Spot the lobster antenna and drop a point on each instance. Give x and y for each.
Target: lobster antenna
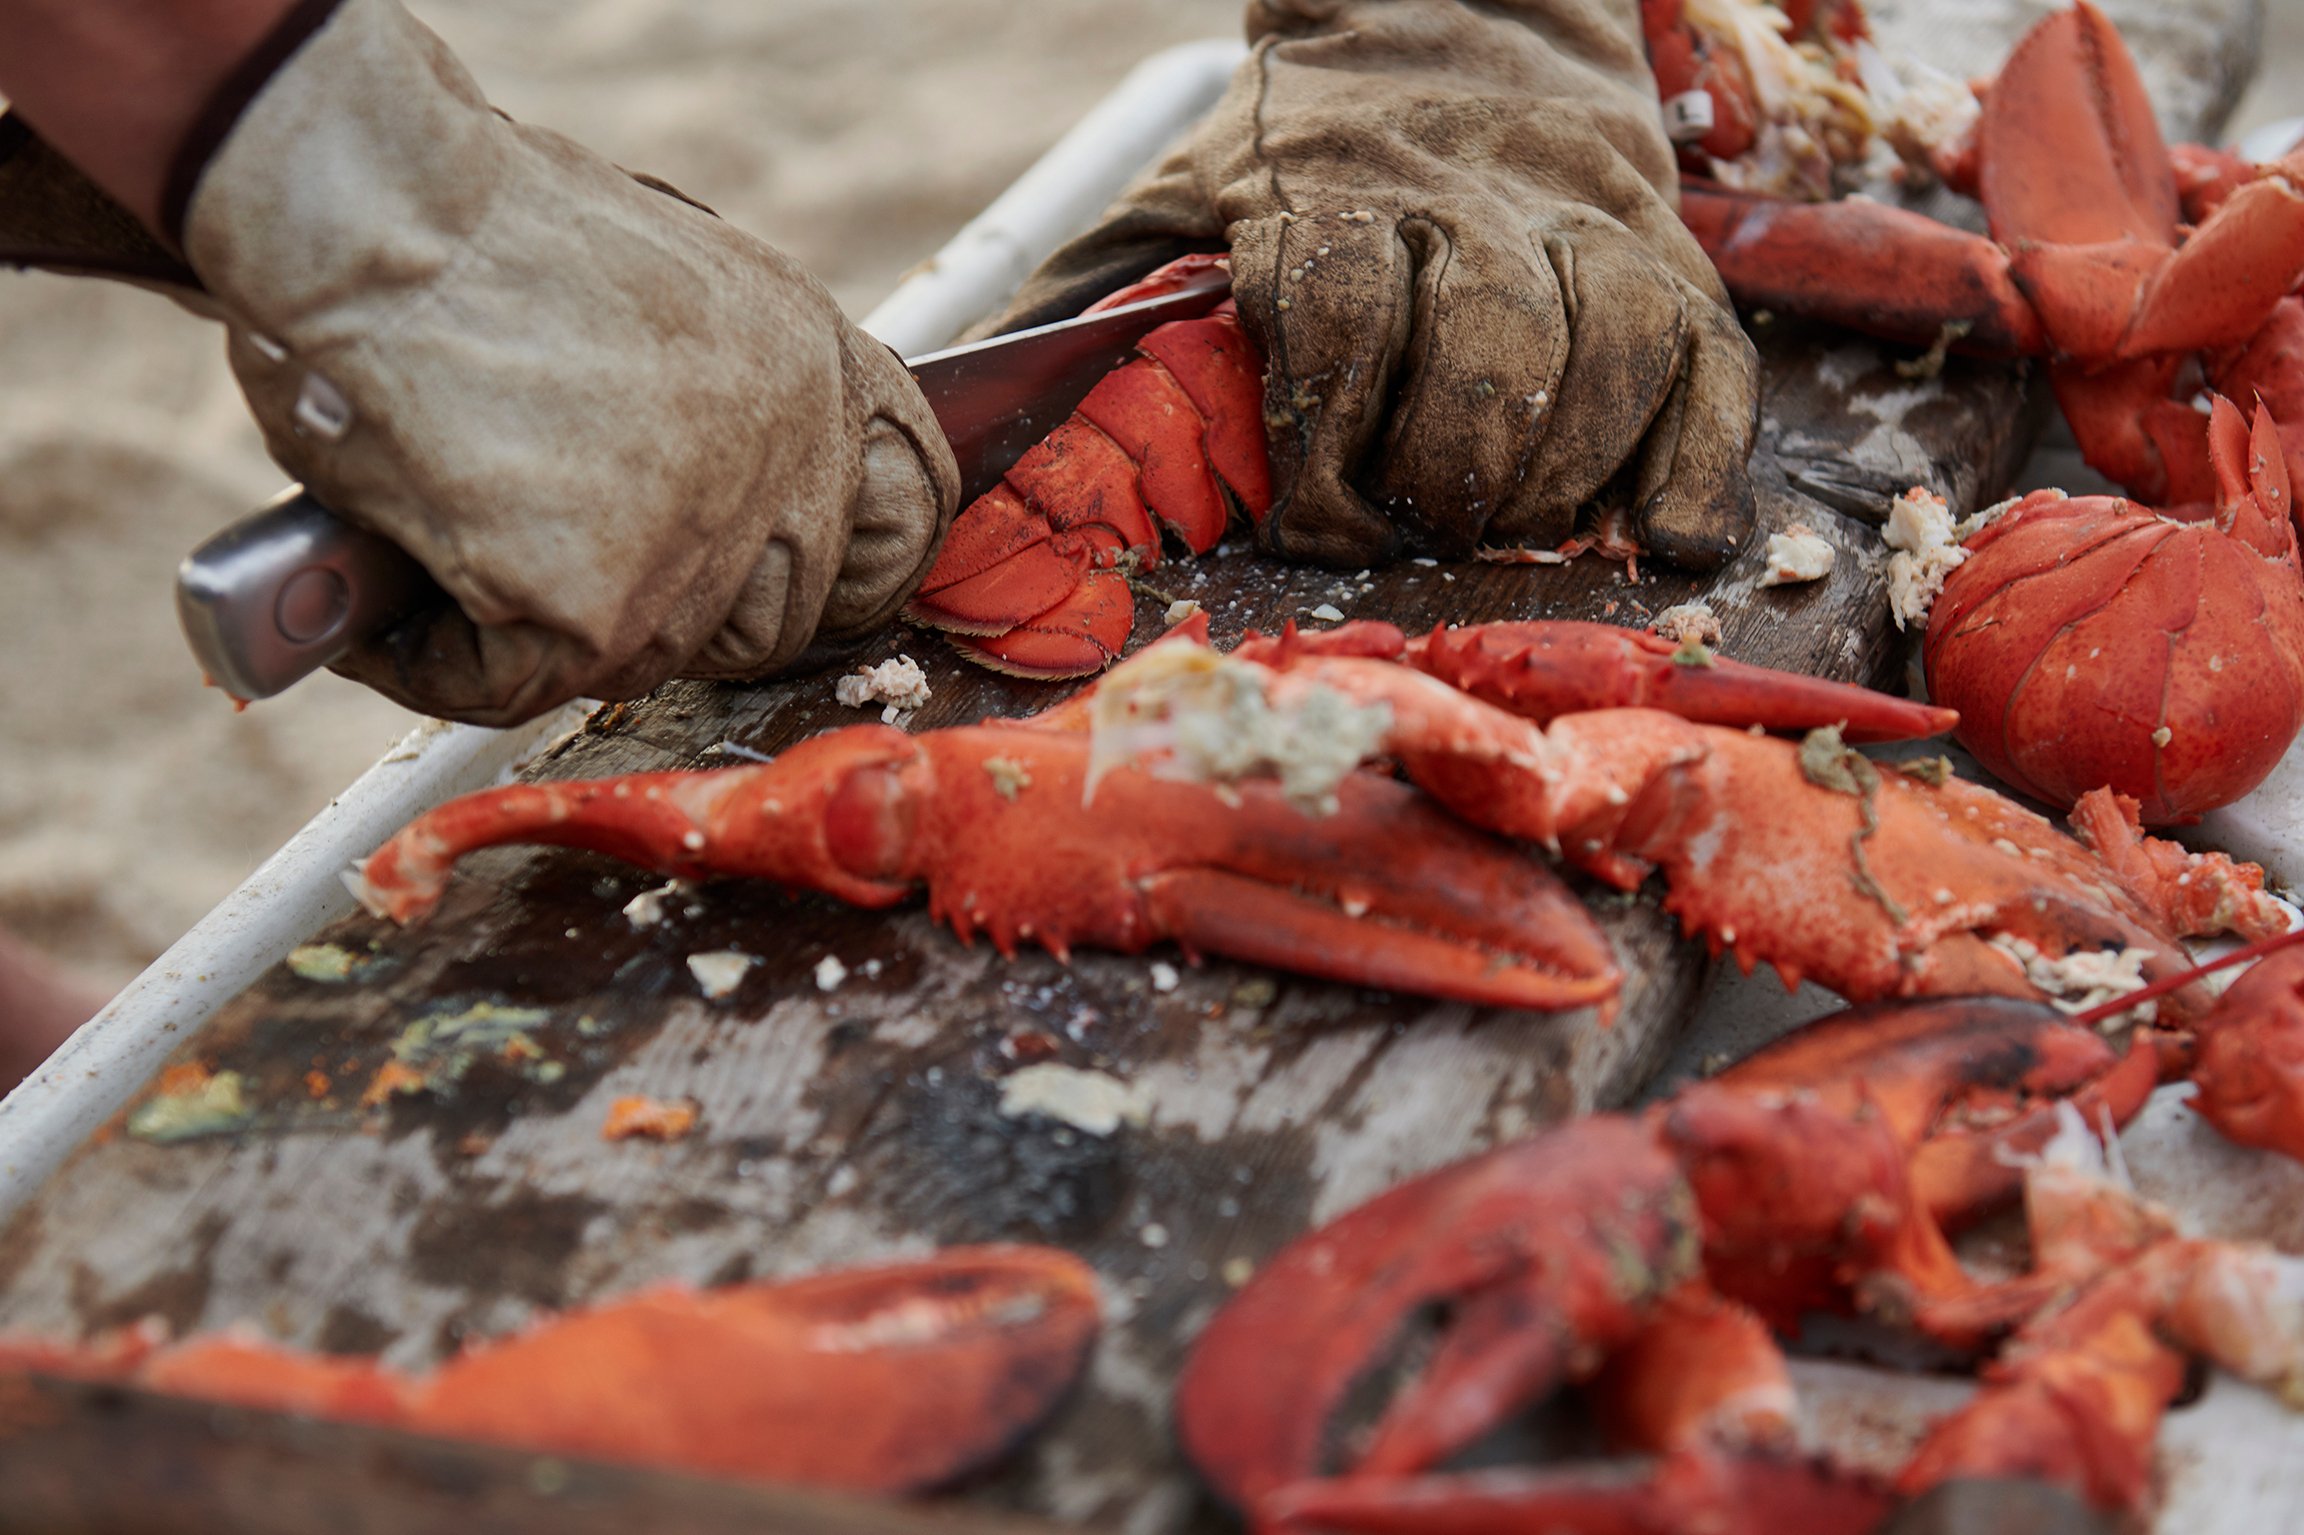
(2184, 978)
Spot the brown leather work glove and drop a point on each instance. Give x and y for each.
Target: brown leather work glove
(1453, 232)
(631, 442)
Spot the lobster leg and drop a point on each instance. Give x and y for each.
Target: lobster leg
(1865, 266)
(1543, 670)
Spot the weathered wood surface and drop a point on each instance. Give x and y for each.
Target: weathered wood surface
(77, 1459)
(850, 1124)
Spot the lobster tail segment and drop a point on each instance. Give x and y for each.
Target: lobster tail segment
(1033, 577)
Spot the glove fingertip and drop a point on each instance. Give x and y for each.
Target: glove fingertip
(1703, 531)
(1696, 507)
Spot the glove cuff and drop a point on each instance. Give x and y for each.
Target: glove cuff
(223, 111)
(53, 217)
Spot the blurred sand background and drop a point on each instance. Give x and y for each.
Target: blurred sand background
(857, 134)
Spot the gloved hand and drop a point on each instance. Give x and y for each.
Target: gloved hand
(1453, 233)
(630, 441)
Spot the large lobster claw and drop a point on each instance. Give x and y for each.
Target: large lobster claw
(1549, 1251)
(2090, 262)
(2080, 187)
(1874, 883)
(875, 1380)
(996, 823)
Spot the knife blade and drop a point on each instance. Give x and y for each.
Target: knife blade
(291, 587)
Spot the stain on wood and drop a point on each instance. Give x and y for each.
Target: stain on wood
(864, 1122)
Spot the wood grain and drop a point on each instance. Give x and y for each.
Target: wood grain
(864, 1121)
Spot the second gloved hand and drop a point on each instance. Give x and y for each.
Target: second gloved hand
(1453, 232)
(631, 442)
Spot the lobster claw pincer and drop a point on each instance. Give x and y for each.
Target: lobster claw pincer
(1548, 1251)
(996, 824)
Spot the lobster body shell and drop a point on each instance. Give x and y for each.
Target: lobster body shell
(2088, 642)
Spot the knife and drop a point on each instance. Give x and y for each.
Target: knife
(288, 589)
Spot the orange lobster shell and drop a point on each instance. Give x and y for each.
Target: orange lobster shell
(2089, 641)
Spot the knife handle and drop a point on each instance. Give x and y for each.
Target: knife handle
(283, 592)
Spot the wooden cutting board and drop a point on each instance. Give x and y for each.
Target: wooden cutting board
(853, 1123)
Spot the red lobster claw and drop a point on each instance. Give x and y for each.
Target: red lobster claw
(1874, 883)
(2089, 263)
(995, 823)
(1546, 1251)
(875, 1380)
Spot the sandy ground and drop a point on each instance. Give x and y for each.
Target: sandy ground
(855, 133)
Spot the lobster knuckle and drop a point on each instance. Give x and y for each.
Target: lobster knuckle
(2250, 1069)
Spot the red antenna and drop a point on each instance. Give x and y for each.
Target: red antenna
(2184, 978)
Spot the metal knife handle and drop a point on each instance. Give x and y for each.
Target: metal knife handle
(283, 592)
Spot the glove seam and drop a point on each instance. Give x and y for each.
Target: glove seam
(225, 107)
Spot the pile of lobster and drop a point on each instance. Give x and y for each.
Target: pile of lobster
(2157, 284)
(1387, 812)
(1227, 801)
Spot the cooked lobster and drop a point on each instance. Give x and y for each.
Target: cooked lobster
(885, 1379)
